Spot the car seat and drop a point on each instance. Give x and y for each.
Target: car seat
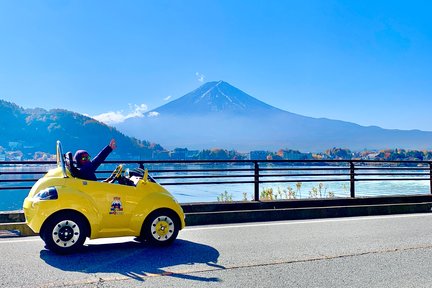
(70, 164)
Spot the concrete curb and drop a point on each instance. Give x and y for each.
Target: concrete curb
(226, 217)
(12, 216)
(21, 228)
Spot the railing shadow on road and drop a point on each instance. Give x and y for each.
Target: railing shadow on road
(137, 260)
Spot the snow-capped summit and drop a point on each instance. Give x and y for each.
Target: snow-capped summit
(215, 97)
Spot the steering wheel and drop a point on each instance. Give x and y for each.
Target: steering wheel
(116, 174)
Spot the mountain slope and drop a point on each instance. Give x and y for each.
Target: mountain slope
(38, 129)
(220, 115)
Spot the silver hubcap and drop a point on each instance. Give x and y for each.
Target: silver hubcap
(162, 228)
(66, 233)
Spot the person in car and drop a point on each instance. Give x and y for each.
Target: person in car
(87, 167)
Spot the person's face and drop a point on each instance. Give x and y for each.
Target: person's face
(85, 158)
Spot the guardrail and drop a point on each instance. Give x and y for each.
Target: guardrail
(256, 172)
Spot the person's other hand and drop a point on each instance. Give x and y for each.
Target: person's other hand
(113, 144)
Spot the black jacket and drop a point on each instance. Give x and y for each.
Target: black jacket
(88, 170)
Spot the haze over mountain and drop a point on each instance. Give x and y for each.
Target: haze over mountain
(220, 115)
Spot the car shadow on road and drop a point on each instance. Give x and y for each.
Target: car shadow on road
(137, 260)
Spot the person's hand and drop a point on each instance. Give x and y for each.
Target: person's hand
(113, 144)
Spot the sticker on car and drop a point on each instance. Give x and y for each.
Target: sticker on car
(116, 207)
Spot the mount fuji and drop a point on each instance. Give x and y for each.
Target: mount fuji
(220, 115)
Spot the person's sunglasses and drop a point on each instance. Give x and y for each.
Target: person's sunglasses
(85, 158)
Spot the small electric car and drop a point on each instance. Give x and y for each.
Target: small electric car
(65, 210)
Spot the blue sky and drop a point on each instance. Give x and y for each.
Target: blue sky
(367, 62)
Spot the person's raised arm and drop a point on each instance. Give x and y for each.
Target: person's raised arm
(97, 161)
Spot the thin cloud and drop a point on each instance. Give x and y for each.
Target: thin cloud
(137, 110)
(200, 77)
(167, 98)
(114, 117)
(110, 117)
(153, 114)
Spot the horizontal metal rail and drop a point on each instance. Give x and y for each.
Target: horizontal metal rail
(306, 168)
(390, 174)
(208, 183)
(392, 179)
(257, 172)
(304, 180)
(392, 168)
(199, 170)
(304, 174)
(201, 176)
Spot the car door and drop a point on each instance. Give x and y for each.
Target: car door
(115, 204)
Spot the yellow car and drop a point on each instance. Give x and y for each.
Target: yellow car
(65, 210)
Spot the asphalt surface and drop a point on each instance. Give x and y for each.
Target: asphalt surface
(386, 251)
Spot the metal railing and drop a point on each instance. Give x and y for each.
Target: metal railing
(21, 175)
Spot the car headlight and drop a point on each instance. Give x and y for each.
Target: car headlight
(49, 193)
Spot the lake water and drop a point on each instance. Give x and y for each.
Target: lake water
(299, 189)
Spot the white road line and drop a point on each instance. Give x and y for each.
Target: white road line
(20, 240)
(302, 222)
(248, 225)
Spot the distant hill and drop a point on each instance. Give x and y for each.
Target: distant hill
(220, 115)
(37, 129)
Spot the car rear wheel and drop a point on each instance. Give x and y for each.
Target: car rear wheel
(64, 232)
(161, 227)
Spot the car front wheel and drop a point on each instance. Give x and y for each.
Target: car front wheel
(64, 232)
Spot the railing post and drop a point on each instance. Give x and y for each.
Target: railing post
(256, 181)
(352, 180)
(430, 177)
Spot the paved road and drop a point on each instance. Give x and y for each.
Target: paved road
(388, 251)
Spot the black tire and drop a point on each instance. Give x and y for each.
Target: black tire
(64, 232)
(161, 227)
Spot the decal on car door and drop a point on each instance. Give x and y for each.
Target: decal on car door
(116, 207)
